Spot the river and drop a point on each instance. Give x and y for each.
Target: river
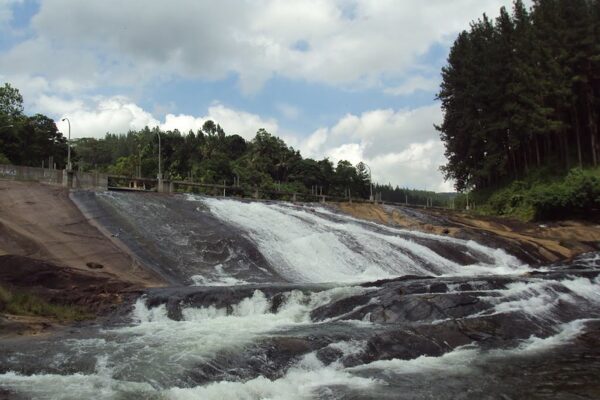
(281, 301)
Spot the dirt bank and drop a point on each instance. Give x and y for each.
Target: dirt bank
(50, 250)
(534, 243)
(90, 293)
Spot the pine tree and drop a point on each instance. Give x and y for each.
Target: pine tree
(523, 90)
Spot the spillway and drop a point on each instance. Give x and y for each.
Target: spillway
(280, 301)
(208, 241)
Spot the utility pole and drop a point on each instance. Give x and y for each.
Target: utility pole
(68, 145)
(159, 157)
(370, 183)
(139, 174)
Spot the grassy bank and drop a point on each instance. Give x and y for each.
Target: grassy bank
(544, 194)
(23, 303)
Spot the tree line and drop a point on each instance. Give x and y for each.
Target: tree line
(522, 91)
(208, 155)
(212, 156)
(28, 140)
(415, 196)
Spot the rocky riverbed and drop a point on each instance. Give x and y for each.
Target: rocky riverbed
(282, 301)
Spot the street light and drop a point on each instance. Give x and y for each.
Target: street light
(370, 182)
(68, 145)
(159, 155)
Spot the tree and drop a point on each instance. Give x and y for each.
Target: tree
(11, 102)
(522, 91)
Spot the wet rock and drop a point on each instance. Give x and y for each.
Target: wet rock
(222, 297)
(339, 308)
(403, 278)
(408, 344)
(270, 359)
(329, 355)
(438, 287)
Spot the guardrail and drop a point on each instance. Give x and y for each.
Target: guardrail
(98, 181)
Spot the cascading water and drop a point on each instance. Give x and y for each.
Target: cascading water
(312, 244)
(207, 241)
(275, 307)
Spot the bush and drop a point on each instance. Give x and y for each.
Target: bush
(537, 197)
(576, 195)
(20, 303)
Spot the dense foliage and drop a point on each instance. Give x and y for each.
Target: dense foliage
(414, 196)
(214, 157)
(27, 140)
(523, 92)
(544, 195)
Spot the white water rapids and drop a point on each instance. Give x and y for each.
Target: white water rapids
(135, 361)
(155, 355)
(312, 244)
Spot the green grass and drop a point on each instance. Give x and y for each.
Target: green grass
(544, 195)
(22, 303)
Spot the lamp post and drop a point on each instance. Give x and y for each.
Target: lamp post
(370, 183)
(159, 156)
(68, 144)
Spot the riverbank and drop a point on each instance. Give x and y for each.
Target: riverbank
(40, 221)
(49, 250)
(38, 296)
(268, 299)
(535, 243)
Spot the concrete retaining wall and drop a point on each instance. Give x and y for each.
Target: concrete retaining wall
(89, 180)
(75, 180)
(21, 173)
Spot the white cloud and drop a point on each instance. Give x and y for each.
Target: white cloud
(6, 14)
(119, 115)
(232, 121)
(58, 106)
(414, 84)
(288, 111)
(402, 147)
(240, 122)
(115, 115)
(123, 43)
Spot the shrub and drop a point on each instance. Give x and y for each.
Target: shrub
(575, 195)
(22, 303)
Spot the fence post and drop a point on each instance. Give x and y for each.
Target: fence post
(67, 179)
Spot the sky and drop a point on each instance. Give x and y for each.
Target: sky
(344, 79)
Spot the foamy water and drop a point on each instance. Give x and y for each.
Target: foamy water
(305, 380)
(315, 245)
(157, 357)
